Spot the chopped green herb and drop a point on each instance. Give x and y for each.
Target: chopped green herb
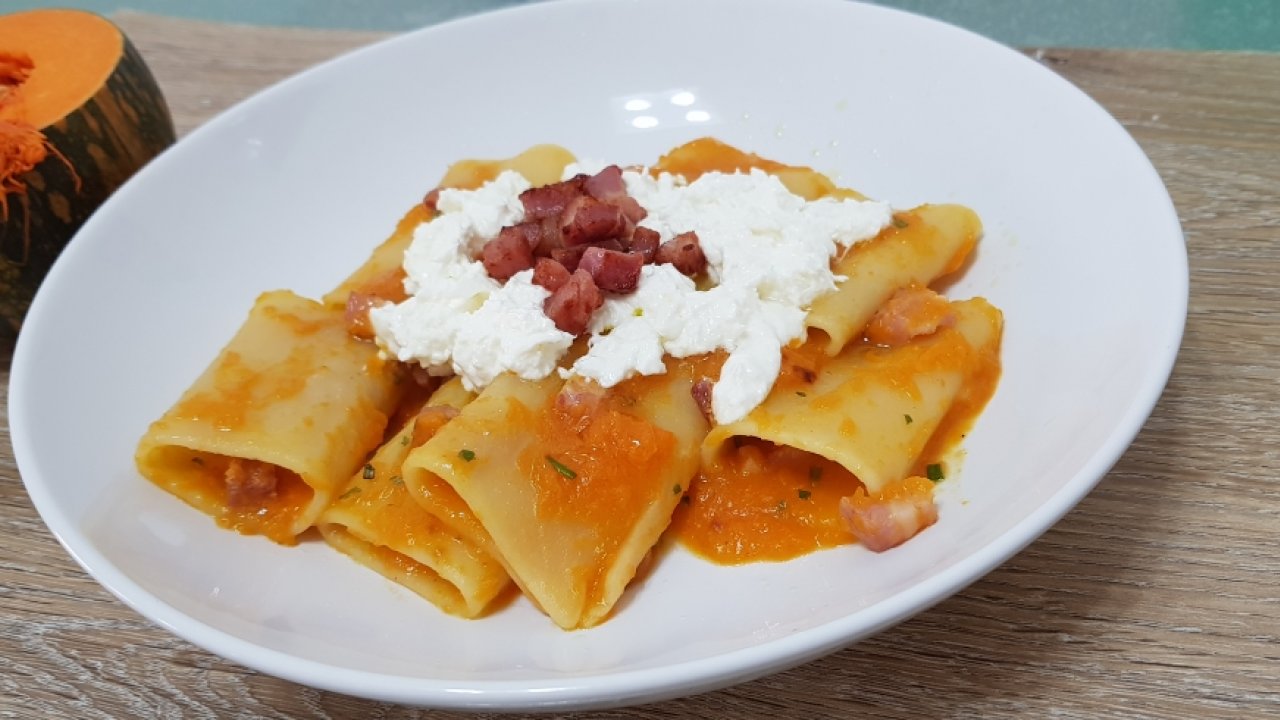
(815, 474)
(397, 480)
(368, 472)
(349, 493)
(685, 500)
(607, 329)
(934, 472)
(908, 419)
(804, 494)
(802, 393)
(561, 468)
(198, 460)
(899, 222)
(467, 455)
(638, 312)
(404, 441)
(676, 489)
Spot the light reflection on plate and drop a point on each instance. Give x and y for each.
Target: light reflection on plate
(292, 189)
(678, 108)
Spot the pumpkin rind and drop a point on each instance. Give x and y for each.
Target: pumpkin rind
(104, 142)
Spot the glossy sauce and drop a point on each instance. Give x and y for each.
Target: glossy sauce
(594, 468)
(763, 502)
(238, 388)
(273, 516)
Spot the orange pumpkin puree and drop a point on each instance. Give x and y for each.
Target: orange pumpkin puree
(273, 516)
(239, 386)
(764, 502)
(594, 467)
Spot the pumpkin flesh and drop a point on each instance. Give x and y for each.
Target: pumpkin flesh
(79, 114)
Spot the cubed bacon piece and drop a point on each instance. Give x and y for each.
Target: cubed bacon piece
(894, 515)
(423, 378)
(429, 421)
(684, 252)
(908, 313)
(571, 306)
(378, 290)
(549, 274)
(531, 230)
(550, 200)
(701, 392)
(550, 238)
(249, 482)
(569, 257)
(507, 254)
(631, 209)
(606, 185)
(579, 402)
(429, 201)
(586, 220)
(612, 271)
(645, 241)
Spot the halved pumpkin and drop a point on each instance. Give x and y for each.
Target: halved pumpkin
(79, 114)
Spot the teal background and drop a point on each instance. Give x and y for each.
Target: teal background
(1173, 24)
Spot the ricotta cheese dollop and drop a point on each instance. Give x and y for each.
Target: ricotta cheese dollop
(768, 256)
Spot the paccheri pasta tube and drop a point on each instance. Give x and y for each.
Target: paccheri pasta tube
(264, 440)
(722, 348)
(377, 522)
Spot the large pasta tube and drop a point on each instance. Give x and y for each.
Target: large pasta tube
(574, 484)
(922, 245)
(378, 523)
(540, 165)
(438, 497)
(266, 437)
(873, 409)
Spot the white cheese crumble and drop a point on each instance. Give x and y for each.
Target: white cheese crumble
(458, 319)
(768, 252)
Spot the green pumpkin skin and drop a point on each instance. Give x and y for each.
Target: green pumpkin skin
(104, 142)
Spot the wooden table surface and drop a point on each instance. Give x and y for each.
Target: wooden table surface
(1157, 597)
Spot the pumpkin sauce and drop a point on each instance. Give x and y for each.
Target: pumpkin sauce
(764, 502)
(592, 465)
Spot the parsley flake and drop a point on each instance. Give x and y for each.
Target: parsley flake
(815, 474)
(467, 455)
(676, 489)
(404, 441)
(638, 312)
(934, 472)
(899, 222)
(908, 419)
(561, 468)
(802, 393)
(349, 493)
(397, 480)
(197, 460)
(368, 473)
(804, 494)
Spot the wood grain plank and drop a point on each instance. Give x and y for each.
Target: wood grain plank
(1157, 597)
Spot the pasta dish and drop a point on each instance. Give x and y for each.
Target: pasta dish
(552, 367)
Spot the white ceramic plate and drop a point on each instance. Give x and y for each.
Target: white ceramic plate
(291, 189)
